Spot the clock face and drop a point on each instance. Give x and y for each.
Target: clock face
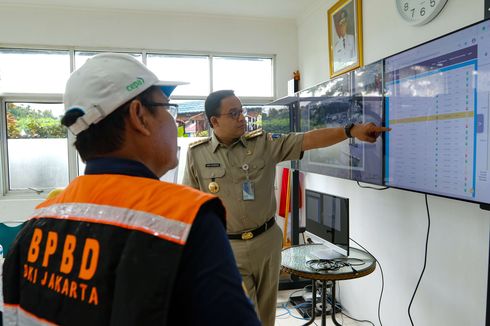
(419, 12)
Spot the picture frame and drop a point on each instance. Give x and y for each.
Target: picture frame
(345, 36)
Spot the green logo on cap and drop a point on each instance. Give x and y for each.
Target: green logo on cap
(134, 85)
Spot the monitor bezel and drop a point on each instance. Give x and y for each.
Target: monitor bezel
(384, 115)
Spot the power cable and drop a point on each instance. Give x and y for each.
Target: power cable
(382, 280)
(425, 258)
(369, 187)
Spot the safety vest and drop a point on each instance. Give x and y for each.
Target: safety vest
(105, 251)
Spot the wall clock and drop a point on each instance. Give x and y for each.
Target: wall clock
(419, 12)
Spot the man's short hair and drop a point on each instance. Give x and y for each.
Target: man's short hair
(107, 135)
(213, 103)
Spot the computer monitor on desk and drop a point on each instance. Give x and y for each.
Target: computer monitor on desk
(327, 217)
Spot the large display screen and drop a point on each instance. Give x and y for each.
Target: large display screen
(437, 104)
(350, 159)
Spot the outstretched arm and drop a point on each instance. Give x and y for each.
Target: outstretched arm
(329, 136)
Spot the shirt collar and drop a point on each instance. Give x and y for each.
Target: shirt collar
(215, 143)
(113, 165)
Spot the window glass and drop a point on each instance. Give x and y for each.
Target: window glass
(191, 69)
(37, 146)
(246, 76)
(253, 117)
(82, 56)
(33, 71)
(191, 119)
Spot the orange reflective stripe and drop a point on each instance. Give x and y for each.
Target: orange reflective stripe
(141, 194)
(156, 225)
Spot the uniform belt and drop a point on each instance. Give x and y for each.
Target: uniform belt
(253, 233)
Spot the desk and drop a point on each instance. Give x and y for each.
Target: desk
(294, 261)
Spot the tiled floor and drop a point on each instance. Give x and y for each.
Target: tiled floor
(291, 317)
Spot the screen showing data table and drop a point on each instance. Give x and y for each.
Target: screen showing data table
(437, 104)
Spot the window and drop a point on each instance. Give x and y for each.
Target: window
(37, 147)
(191, 69)
(191, 119)
(246, 76)
(82, 56)
(33, 71)
(36, 152)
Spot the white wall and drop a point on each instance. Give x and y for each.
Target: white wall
(392, 223)
(31, 26)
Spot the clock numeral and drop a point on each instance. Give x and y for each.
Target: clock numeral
(422, 11)
(413, 12)
(405, 6)
(432, 3)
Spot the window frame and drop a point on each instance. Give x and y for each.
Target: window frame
(29, 98)
(73, 157)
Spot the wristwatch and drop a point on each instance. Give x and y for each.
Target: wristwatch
(347, 129)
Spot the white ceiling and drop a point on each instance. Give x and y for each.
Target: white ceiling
(249, 8)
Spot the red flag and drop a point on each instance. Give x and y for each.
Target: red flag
(284, 193)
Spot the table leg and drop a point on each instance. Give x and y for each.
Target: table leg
(324, 303)
(313, 304)
(333, 305)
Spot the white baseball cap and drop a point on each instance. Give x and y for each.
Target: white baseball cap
(104, 83)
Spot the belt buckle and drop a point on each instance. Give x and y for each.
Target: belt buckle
(247, 235)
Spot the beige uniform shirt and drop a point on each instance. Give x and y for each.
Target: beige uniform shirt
(210, 161)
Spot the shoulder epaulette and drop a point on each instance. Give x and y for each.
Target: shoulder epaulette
(254, 133)
(199, 142)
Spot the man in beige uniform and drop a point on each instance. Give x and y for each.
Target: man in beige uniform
(240, 169)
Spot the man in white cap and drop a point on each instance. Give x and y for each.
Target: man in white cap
(118, 246)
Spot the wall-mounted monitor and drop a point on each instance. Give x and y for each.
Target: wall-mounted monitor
(350, 159)
(276, 119)
(339, 86)
(327, 217)
(437, 104)
(368, 80)
(278, 116)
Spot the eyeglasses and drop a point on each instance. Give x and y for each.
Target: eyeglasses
(172, 108)
(234, 114)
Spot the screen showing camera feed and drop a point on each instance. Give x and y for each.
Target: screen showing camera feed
(350, 159)
(275, 119)
(368, 80)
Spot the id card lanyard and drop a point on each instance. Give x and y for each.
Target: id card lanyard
(247, 186)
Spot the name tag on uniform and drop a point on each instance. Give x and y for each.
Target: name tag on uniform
(213, 165)
(248, 190)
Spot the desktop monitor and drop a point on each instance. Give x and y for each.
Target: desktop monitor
(437, 104)
(327, 217)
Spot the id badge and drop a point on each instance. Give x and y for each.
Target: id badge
(248, 190)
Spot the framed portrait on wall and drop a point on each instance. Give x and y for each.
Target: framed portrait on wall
(344, 36)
